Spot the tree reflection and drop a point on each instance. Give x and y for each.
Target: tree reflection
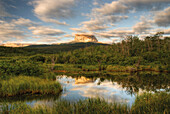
(135, 82)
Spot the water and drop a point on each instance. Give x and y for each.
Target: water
(113, 87)
(83, 87)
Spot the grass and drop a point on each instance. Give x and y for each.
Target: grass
(152, 103)
(145, 104)
(110, 68)
(28, 85)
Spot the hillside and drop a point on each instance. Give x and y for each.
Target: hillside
(43, 49)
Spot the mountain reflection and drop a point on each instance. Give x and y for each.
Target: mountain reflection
(113, 87)
(131, 83)
(83, 80)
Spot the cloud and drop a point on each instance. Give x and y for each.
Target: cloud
(142, 27)
(50, 20)
(166, 31)
(162, 18)
(94, 25)
(119, 32)
(42, 30)
(115, 18)
(48, 40)
(77, 29)
(102, 23)
(24, 22)
(145, 25)
(53, 10)
(113, 8)
(127, 6)
(20, 29)
(145, 4)
(9, 31)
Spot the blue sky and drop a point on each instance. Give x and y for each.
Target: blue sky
(57, 21)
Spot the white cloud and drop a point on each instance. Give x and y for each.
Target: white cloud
(53, 10)
(118, 33)
(115, 18)
(112, 8)
(94, 25)
(142, 27)
(102, 23)
(48, 40)
(42, 30)
(9, 31)
(162, 18)
(21, 29)
(77, 29)
(23, 22)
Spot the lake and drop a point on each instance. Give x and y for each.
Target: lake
(113, 87)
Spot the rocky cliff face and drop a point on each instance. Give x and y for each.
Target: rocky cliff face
(85, 38)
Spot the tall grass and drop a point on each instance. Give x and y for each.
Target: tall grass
(152, 103)
(28, 85)
(157, 103)
(89, 106)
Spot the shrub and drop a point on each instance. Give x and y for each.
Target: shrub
(38, 58)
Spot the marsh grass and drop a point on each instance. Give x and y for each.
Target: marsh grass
(109, 68)
(152, 103)
(89, 106)
(156, 104)
(28, 85)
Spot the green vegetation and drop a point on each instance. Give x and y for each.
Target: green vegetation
(42, 49)
(132, 54)
(147, 103)
(33, 69)
(152, 52)
(19, 67)
(111, 68)
(28, 85)
(152, 103)
(20, 76)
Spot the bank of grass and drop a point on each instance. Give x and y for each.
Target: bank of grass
(110, 68)
(156, 104)
(21, 85)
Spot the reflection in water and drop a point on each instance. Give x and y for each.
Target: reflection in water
(83, 87)
(83, 80)
(121, 88)
(114, 88)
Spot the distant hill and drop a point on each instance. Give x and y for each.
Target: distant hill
(74, 44)
(43, 49)
(52, 49)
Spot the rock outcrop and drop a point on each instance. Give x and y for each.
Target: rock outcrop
(85, 38)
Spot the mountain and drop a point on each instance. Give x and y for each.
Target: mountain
(85, 38)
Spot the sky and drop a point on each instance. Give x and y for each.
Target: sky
(57, 21)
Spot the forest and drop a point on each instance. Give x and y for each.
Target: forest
(152, 52)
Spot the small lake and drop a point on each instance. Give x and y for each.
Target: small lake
(113, 87)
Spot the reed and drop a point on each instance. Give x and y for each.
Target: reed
(145, 104)
(21, 85)
(152, 103)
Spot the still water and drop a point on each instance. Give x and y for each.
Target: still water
(117, 87)
(83, 87)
